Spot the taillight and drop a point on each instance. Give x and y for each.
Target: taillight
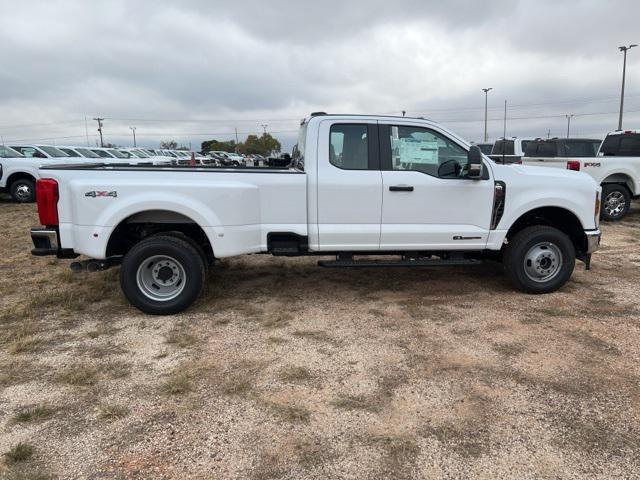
(573, 165)
(47, 200)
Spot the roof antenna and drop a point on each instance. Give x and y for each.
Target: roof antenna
(404, 113)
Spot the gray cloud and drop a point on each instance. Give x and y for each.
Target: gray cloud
(209, 67)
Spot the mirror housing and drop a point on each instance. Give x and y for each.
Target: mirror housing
(474, 163)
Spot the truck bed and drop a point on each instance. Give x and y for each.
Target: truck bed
(235, 206)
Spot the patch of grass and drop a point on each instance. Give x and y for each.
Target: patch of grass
(178, 383)
(509, 349)
(295, 374)
(116, 369)
(270, 465)
(290, 413)
(594, 343)
(20, 452)
(468, 439)
(79, 375)
(554, 312)
(23, 473)
(277, 340)
(312, 452)
(400, 455)
(17, 372)
(27, 344)
(38, 413)
(356, 402)
(237, 386)
(112, 411)
(316, 335)
(181, 338)
(276, 320)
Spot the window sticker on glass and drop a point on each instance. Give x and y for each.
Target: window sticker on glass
(412, 150)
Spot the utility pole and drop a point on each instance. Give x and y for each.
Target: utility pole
(264, 127)
(404, 112)
(236, 130)
(99, 120)
(623, 49)
(486, 92)
(86, 130)
(504, 130)
(548, 134)
(133, 129)
(569, 123)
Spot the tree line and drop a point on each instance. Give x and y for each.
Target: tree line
(262, 145)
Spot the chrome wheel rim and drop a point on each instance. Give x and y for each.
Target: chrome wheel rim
(614, 204)
(23, 192)
(543, 262)
(161, 278)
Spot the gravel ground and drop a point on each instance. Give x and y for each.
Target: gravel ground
(286, 370)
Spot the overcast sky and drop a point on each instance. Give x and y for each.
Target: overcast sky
(194, 70)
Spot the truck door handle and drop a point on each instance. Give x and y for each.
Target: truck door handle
(401, 188)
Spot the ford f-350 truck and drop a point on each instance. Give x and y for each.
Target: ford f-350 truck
(405, 191)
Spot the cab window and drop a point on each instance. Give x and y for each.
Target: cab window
(348, 146)
(423, 150)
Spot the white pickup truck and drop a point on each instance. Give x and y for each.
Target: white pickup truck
(615, 166)
(407, 189)
(19, 168)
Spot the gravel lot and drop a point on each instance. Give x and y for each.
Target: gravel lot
(286, 370)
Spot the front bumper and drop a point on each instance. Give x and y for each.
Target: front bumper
(593, 241)
(46, 241)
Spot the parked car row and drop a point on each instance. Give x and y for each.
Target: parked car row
(20, 162)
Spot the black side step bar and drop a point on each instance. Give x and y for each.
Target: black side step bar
(341, 261)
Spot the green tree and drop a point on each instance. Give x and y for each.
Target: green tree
(169, 145)
(218, 146)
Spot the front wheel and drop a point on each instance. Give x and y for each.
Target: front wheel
(23, 191)
(616, 201)
(539, 259)
(162, 275)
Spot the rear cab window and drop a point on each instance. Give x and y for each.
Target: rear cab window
(621, 145)
(503, 147)
(348, 146)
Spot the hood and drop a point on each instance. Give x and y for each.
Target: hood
(550, 173)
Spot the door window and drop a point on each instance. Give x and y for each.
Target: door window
(423, 150)
(348, 146)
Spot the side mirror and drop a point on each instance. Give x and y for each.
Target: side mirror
(474, 163)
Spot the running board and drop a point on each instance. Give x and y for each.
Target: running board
(423, 262)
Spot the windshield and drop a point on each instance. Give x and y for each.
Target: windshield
(52, 151)
(69, 152)
(6, 152)
(141, 153)
(85, 152)
(102, 153)
(116, 153)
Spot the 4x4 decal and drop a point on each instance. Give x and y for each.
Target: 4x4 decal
(101, 193)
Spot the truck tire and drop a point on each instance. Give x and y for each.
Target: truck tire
(23, 190)
(616, 201)
(162, 275)
(539, 259)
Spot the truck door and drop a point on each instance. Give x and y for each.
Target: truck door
(428, 204)
(349, 186)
